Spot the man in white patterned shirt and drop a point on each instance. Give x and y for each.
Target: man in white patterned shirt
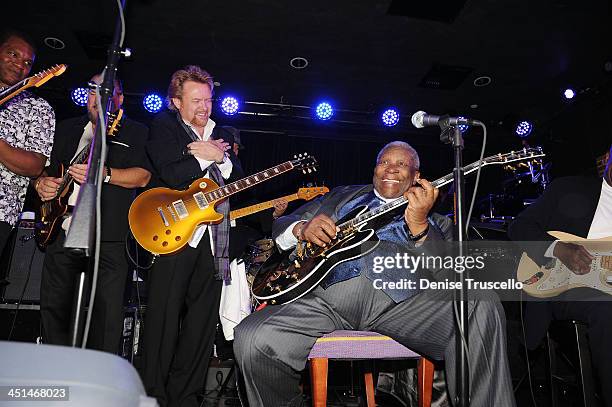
(27, 125)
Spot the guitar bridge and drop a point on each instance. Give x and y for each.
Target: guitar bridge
(163, 216)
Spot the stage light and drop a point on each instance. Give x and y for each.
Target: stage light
(463, 127)
(569, 93)
(230, 105)
(79, 96)
(324, 111)
(390, 117)
(152, 103)
(523, 129)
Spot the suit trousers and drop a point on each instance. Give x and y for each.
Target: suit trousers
(58, 286)
(182, 313)
(272, 345)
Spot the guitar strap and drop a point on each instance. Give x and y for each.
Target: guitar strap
(220, 232)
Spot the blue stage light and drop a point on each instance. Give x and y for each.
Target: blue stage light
(79, 96)
(153, 103)
(569, 93)
(390, 117)
(523, 129)
(324, 111)
(463, 127)
(230, 105)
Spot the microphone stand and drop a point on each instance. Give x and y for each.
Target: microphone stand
(80, 237)
(452, 135)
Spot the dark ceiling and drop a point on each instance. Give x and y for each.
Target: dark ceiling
(363, 55)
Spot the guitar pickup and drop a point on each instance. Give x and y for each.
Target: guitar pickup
(163, 216)
(174, 218)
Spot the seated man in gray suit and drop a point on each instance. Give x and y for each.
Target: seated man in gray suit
(272, 345)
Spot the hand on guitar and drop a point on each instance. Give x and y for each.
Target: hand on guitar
(210, 150)
(420, 201)
(47, 187)
(574, 256)
(320, 230)
(79, 172)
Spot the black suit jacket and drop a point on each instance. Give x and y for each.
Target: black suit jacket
(125, 150)
(567, 205)
(168, 142)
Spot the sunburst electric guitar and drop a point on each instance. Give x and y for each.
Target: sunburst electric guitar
(163, 220)
(35, 80)
(51, 212)
(285, 277)
(303, 193)
(555, 278)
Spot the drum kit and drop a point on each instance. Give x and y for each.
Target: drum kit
(524, 183)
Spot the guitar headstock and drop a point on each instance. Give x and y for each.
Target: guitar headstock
(304, 162)
(43, 76)
(113, 122)
(309, 193)
(530, 153)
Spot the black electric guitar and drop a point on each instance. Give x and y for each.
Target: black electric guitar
(286, 277)
(51, 212)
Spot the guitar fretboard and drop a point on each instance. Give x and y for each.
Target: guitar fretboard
(9, 90)
(244, 183)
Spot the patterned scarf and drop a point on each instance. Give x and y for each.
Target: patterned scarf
(220, 232)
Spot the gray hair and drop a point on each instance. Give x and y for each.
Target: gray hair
(414, 156)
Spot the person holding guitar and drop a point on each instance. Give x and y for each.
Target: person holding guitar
(184, 287)
(581, 206)
(27, 125)
(126, 169)
(272, 345)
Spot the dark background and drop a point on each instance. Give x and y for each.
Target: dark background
(363, 56)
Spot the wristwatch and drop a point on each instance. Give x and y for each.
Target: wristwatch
(108, 175)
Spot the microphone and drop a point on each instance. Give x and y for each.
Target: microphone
(421, 119)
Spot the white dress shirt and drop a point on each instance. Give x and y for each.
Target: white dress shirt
(225, 168)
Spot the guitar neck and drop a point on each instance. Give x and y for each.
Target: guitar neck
(249, 210)
(13, 91)
(247, 182)
(447, 179)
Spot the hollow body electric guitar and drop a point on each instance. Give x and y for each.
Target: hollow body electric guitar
(51, 212)
(286, 277)
(35, 80)
(302, 193)
(163, 220)
(555, 278)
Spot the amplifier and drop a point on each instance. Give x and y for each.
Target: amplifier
(25, 267)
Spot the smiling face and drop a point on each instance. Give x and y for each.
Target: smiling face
(195, 103)
(394, 173)
(16, 59)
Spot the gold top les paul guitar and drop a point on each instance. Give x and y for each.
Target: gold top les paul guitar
(555, 278)
(302, 193)
(163, 220)
(36, 80)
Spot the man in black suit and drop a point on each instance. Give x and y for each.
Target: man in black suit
(272, 345)
(184, 287)
(581, 206)
(126, 169)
